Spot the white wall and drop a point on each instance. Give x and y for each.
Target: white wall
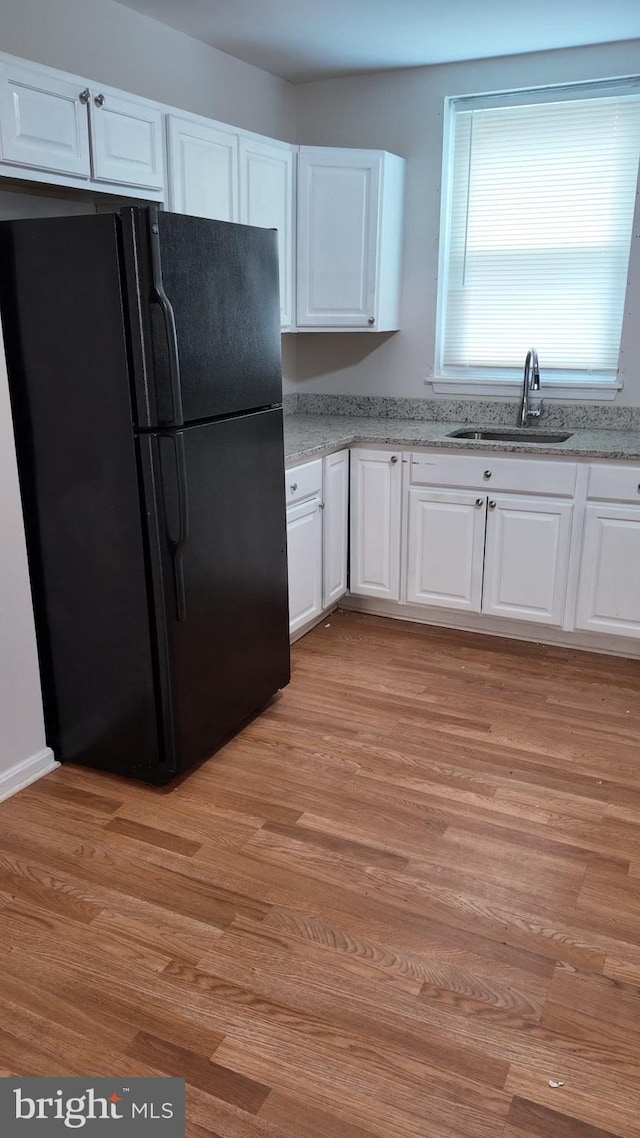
(102, 40)
(402, 111)
(23, 753)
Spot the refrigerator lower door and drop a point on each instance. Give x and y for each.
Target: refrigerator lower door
(219, 520)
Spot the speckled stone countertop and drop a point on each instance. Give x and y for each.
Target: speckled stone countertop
(307, 435)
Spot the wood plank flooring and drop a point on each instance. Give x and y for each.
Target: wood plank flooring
(398, 905)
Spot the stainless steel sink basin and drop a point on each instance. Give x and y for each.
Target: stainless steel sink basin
(513, 435)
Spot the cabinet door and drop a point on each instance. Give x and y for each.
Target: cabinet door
(376, 483)
(44, 122)
(445, 548)
(335, 525)
(338, 195)
(304, 554)
(126, 141)
(266, 199)
(203, 169)
(609, 582)
(527, 558)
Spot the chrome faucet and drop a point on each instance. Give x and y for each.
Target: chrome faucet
(530, 382)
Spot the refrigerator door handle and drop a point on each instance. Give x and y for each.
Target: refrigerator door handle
(177, 544)
(162, 300)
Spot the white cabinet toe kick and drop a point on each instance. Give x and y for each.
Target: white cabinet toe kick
(532, 548)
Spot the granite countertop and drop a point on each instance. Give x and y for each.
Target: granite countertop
(306, 435)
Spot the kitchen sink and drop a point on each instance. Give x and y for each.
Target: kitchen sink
(513, 435)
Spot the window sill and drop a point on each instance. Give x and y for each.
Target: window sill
(597, 391)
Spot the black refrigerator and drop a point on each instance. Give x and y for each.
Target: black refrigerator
(143, 351)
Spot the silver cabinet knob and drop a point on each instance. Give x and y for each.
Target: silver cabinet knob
(371, 320)
(487, 474)
(492, 505)
(321, 505)
(479, 502)
(393, 459)
(638, 487)
(84, 96)
(293, 487)
(99, 100)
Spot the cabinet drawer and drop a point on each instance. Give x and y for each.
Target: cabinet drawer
(493, 472)
(614, 483)
(303, 481)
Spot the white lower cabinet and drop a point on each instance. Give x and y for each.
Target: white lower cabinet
(304, 557)
(445, 548)
(526, 560)
(504, 556)
(317, 536)
(517, 554)
(609, 582)
(335, 535)
(462, 548)
(376, 500)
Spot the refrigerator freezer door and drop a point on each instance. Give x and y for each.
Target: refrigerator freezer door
(204, 303)
(218, 519)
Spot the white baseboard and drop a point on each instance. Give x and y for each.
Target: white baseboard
(495, 626)
(26, 772)
(316, 620)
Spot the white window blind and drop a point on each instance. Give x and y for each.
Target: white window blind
(540, 210)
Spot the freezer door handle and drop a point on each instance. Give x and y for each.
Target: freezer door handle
(162, 300)
(178, 542)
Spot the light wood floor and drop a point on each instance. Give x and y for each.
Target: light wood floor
(406, 898)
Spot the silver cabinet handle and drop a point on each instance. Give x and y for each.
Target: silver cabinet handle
(638, 487)
(393, 459)
(321, 505)
(487, 474)
(84, 96)
(99, 100)
(293, 487)
(492, 505)
(371, 320)
(479, 502)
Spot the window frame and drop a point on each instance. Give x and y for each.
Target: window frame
(485, 380)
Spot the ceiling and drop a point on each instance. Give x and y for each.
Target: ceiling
(304, 40)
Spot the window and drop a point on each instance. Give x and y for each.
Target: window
(540, 190)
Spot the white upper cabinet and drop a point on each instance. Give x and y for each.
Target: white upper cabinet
(266, 200)
(527, 558)
(43, 121)
(445, 548)
(203, 169)
(376, 489)
(65, 130)
(350, 206)
(217, 172)
(338, 212)
(127, 141)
